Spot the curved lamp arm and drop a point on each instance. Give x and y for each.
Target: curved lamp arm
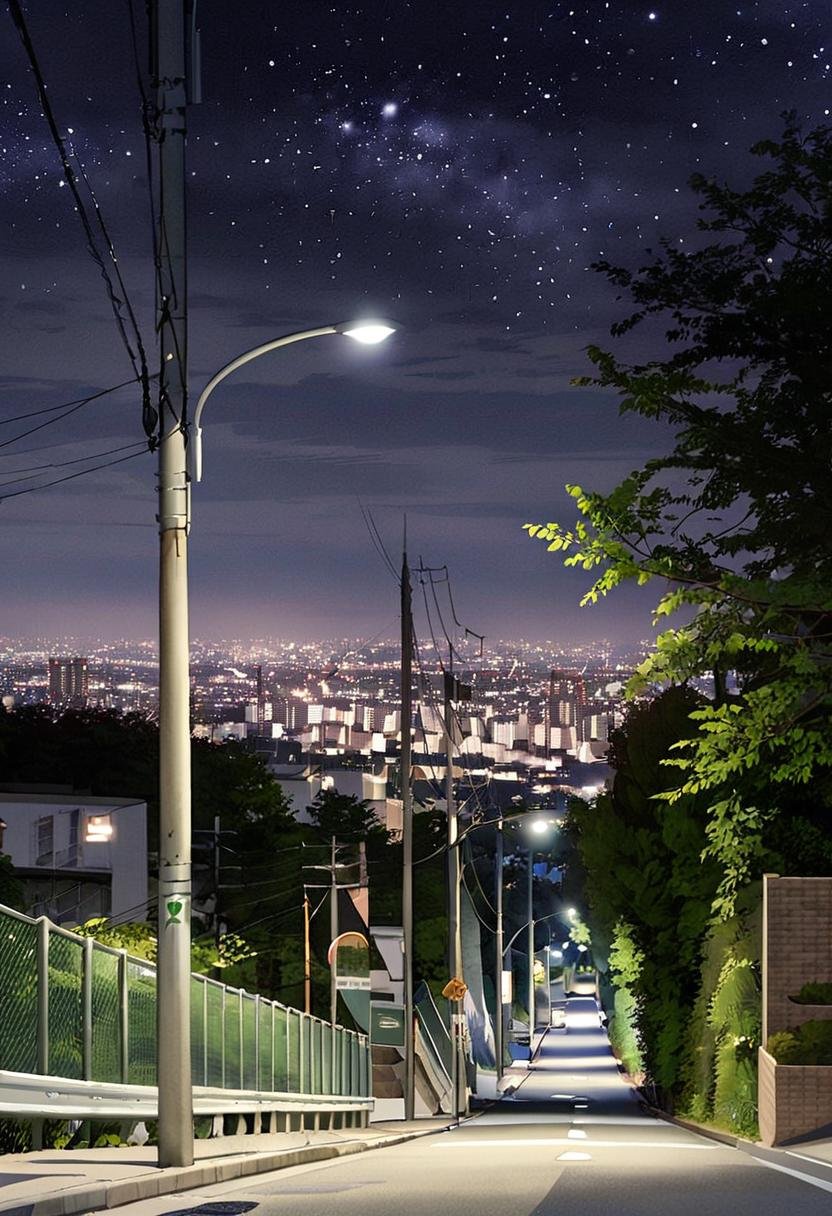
(196, 449)
(369, 333)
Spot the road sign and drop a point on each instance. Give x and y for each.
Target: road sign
(455, 989)
(386, 1024)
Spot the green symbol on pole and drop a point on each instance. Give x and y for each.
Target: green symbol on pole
(174, 907)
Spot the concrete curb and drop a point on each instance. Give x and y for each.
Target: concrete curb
(786, 1157)
(91, 1196)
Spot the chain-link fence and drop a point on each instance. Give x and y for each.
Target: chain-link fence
(70, 1007)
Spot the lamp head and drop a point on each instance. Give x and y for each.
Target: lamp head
(368, 333)
(539, 826)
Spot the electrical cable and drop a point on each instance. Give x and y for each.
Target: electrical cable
(65, 404)
(377, 545)
(61, 464)
(71, 476)
(138, 358)
(72, 408)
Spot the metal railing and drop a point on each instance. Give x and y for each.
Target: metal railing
(75, 1009)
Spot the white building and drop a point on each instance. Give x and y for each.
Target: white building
(78, 856)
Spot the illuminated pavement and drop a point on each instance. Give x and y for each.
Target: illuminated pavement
(571, 1141)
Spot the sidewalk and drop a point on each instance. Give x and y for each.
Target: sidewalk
(57, 1182)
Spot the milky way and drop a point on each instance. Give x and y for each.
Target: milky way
(458, 167)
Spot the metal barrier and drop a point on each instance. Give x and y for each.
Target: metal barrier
(78, 1030)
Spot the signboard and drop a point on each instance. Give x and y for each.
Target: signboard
(387, 1024)
(507, 988)
(349, 959)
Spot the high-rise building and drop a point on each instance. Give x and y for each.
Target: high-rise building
(69, 682)
(567, 702)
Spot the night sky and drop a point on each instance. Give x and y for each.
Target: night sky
(456, 167)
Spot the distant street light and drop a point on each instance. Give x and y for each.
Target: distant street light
(178, 466)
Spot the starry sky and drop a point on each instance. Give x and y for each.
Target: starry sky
(454, 167)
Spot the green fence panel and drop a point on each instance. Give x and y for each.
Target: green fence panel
(317, 1057)
(141, 1019)
(106, 1016)
(18, 995)
(281, 1038)
(214, 1031)
(295, 1046)
(232, 1039)
(327, 1049)
(238, 1041)
(265, 1078)
(197, 1031)
(306, 1055)
(249, 1041)
(66, 964)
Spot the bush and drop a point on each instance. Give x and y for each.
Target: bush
(813, 994)
(810, 1043)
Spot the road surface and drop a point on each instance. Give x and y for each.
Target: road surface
(572, 1140)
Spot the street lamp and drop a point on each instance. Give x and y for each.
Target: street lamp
(179, 464)
(368, 333)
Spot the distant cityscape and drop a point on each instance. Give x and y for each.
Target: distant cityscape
(517, 702)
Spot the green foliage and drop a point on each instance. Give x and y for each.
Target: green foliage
(648, 892)
(810, 1043)
(813, 994)
(735, 522)
(344, 816)
(719, 1073)
(11, 888)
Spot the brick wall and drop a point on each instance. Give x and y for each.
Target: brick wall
(797, 948)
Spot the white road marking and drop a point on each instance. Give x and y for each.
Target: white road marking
(574, 1157)
(820, 1183)
(558, 1141)
(576, 1135)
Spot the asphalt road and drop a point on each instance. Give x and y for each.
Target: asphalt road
(572, 1141)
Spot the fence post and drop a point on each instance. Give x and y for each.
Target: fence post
(43, 995)
(86, 1009)
(288, 1022)
(204, 1032)
(302, 1054)
(124, 1018)
(257, 1084)
(241, 1078)
(272, 1085)
(222, 1038)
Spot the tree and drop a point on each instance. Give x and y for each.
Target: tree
(345, 817)
(737, 519)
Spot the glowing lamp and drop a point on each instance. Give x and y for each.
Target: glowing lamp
(98, 829)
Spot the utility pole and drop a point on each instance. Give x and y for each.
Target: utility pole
(407, 838)
(454, 890)
(498, 945)
(307, 957)
(530, 945)
(176, 1131)
(333, 927)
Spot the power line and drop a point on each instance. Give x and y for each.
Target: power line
(71, 476)
(65, 404)
(34, 470)
(137, 357)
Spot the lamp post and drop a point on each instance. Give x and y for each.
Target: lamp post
(178, 466)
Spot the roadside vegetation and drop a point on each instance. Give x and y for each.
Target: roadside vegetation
(724, 764)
